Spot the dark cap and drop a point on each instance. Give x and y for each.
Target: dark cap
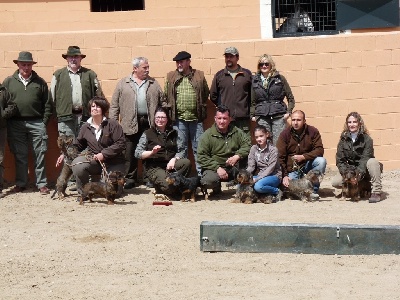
(24, 56)
(73, 51)
(181, 56)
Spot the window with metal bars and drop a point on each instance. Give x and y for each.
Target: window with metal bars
(303, 17)
(116, 5)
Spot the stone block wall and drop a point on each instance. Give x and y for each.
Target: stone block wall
(330, 75)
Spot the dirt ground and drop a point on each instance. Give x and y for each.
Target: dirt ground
(51, 249)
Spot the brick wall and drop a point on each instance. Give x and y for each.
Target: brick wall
(329, 75)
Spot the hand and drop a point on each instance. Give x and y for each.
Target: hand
(222, 173)
(286, 116)
(98, 156)
(285, 181)
(155, 149)
(231, 161)
(171, 164)
(60, 159)
(298, 158)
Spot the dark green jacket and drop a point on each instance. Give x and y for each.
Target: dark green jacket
(214, 148)
(7, 106)
(63, 92)
(33, 101)
(354, 154)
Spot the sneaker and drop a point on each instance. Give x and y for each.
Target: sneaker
(18, 189)
(73, 187)
(44, 190)
(277, 197)
(314, 197)
(375, 197)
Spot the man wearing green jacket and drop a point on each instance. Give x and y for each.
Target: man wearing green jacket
(222, 151)
(28, 127)
(71, 89)
(8, 109)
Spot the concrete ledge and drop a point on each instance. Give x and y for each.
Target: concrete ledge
(343, 239)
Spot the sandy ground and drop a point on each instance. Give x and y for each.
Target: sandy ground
(51, 249)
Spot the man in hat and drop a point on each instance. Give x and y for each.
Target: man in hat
(28, 127)
(71, 89)
(134, 102)
(187, 91)
(231, 86)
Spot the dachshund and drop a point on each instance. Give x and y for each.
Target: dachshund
(353, 185)
(187, 186)
(244, 190)
(108, 189)
(70, 151)
(304, 186)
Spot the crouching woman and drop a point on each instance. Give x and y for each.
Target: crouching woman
(355, 148)
(162, 150)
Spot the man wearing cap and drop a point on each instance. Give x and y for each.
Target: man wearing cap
(28, 127)
(134, 102)
(231, 86)
(71, 89)
(187, 91)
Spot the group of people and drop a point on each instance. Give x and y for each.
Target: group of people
(145, 122)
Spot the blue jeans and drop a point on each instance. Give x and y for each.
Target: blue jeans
(267, 185)
(319, 163)
(23, 135)
(190, 130)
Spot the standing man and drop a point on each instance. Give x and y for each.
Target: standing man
(28, 127)
(223, 150)
(300, 150)
(71, 88)
(134, 102)
(232, 87)
(187, 91)
(8, 109)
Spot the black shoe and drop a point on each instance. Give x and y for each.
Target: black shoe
(73, 188)
(149, 184)
(216, 191)
(129, 185)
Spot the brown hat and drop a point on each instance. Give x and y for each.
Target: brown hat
(24, 56)
(73, 51)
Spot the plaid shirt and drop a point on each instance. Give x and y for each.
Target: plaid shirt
(186, 100)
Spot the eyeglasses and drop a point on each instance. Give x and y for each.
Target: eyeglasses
(161, 118)
(262, 64)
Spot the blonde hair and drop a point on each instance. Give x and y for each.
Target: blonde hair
(362, 128)
(268, 58)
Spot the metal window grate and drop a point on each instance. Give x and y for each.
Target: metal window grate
(116, 5)
(302, 17)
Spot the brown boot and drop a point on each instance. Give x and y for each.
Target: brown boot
(375, 197)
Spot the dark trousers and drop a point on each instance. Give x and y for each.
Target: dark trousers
(131, 141)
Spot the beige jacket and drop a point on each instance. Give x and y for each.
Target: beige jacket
(124, 104)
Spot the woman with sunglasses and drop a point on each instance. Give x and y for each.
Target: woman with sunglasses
(269, 89)
(162, 149)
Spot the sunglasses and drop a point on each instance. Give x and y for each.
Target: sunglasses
(262, 64)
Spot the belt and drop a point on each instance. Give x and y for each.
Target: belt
(77, 110)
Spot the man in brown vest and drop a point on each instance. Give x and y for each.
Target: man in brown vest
(187, 92)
